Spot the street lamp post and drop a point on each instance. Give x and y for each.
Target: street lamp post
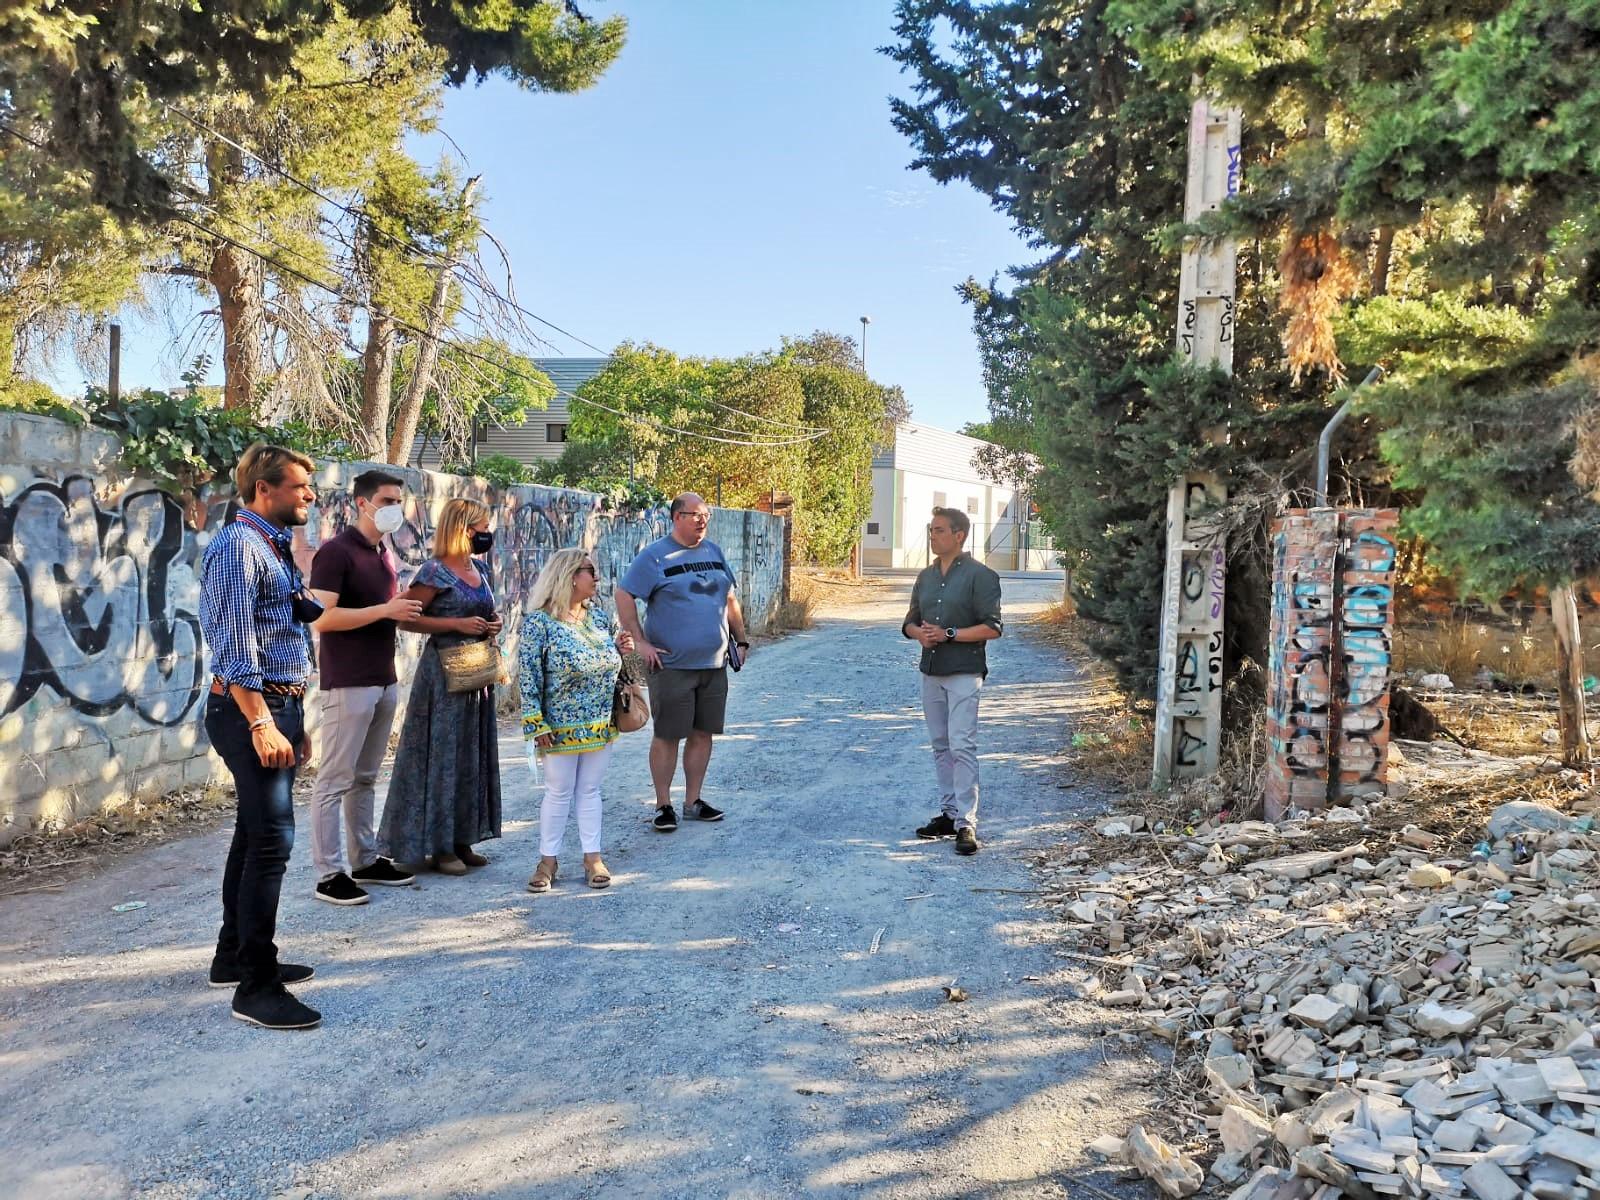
(865, 321)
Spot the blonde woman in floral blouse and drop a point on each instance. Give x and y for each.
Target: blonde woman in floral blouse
(570, 660)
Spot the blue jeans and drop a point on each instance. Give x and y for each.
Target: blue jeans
(263, 836)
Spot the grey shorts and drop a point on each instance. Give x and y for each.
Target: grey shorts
(682, 701)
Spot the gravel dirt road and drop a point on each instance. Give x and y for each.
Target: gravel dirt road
(754, 1009)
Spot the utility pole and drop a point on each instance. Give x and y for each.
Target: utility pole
(114, 382)
(858, 550)
(1189, 691)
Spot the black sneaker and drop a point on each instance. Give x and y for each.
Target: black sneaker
(341, 889)
(274, 1008)
(701, 811)
(383, 873)
(666, 820)
(227, 974)
(940, 827)
(966, 841)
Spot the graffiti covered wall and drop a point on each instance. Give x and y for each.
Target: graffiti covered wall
(1330, 655)
(102, 669)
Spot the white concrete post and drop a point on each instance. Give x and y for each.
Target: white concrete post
(1189, 689)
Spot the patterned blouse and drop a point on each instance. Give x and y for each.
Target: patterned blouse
(569, 672)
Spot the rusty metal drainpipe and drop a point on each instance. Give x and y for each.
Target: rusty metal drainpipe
(1325, 441)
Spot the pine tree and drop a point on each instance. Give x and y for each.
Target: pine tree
(108, 68)
(1048, 109)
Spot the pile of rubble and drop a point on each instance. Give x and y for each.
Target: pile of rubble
(1376, 1017)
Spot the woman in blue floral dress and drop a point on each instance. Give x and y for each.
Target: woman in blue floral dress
(444, 792)
(570, 660)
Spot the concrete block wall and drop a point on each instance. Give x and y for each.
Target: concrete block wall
(102, 667)
(1330, 657)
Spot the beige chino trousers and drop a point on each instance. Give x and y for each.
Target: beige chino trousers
(353, 737)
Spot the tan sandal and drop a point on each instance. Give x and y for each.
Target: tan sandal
(544, 875)
(597, 874)
(449, 864)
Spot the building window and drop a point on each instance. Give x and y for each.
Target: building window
(938, 500)
(872, 528)
(972, 505)
(555, 433)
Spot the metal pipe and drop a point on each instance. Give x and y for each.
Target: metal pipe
(1325, 440)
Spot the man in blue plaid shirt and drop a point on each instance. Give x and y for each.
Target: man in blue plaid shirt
(254, 612)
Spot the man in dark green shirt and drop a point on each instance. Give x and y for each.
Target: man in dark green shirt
(955, 609)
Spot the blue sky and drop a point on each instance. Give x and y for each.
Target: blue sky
(733, 179)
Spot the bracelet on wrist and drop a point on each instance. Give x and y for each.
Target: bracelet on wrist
(260, 723)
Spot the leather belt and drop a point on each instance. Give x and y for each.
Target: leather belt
(268, 687)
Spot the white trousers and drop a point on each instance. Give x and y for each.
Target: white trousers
(950, 706)
(353, 737)
(572, 781)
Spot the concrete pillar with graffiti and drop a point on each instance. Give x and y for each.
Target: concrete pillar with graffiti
(1189, 687)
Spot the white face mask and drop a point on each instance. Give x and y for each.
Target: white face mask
(389, 518)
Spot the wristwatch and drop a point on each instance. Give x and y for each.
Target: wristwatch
(950, 634)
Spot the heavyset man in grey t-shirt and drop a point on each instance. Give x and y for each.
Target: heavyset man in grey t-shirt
(692, 613)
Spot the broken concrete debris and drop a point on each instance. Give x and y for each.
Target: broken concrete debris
(1367, 1020)
(1175, 1174)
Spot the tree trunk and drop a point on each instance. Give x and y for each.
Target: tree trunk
(377, 386)
(1569, 678)
(237, 277)
(1381, 260)
(410, 411)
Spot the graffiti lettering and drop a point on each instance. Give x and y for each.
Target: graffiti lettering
(1191, 742)
(1330, 655)
(100, 645)
(99, 623)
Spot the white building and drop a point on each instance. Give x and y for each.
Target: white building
(927, 468)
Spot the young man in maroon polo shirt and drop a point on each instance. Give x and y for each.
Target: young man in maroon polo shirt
(354, 576)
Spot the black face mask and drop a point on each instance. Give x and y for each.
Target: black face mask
(306, 607)
(482, 542)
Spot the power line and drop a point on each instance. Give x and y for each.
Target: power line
(360, 213)
(303, 256)
(467, 352)
(812, 434)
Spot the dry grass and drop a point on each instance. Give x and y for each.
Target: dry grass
(1460, 646)
(796, 613)
(1505, 724)
(1111, 742)
(138, 823)
(1500, 721)
(811, 588)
